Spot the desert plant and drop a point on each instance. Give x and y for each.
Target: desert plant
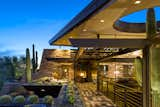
(28, 66)
(33, 59)
(71, 99)
(5, 99)
(33, 99)
(48, 99)
(27, 105)
(36, 59)
(70, 93)
(154, 57)
(151, 26)
(19, 99)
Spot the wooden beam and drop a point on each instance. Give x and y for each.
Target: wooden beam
(126, 60)
(67, 60)
(111, 43)
(79, 53)
(117, 53)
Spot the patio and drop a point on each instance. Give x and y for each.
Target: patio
(91, 97)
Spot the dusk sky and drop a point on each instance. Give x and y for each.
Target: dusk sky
(24, 22)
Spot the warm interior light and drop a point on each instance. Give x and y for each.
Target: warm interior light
(42, 90)
(84, 30)
(102, 21)
(137, 53)
(137, 2)
(116, 72)
(81, 74)
(65, 70)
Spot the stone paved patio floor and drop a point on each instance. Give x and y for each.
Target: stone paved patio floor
(91, 97)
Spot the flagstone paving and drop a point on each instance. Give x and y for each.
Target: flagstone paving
(92, 98)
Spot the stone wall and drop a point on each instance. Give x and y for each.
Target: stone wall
(49, 63)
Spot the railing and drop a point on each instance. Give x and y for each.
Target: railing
(122, 96)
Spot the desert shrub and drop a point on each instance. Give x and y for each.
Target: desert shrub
(27, 105)
(31, 92)
(48, 99)
(71, 99)
(5, 99)
(13, 94)
(70, 93)
(33, 99)
(19, 99)
(19, 90)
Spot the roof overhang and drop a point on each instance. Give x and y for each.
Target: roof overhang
(110, 43)
(102, 17)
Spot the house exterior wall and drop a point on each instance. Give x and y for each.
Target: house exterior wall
(55, 61)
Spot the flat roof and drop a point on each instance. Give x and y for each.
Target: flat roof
(82, 16)
(108, 11)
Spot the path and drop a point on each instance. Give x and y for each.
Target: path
(91, 97)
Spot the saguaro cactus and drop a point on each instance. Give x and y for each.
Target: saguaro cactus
(154, 57)
(36, 59)
(28, 66)
(151, 23)
(151, 31)
(33, 59)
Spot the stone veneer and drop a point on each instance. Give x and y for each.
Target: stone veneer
(53, 60)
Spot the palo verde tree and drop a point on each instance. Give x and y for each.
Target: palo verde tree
(28, 66)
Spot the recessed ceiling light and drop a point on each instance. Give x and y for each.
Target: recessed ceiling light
(42, 90)
(84, 30)
(137, 2)
(102, 21)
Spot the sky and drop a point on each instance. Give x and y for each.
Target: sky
(140, 16)
(24, 22)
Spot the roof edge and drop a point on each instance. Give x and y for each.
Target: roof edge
(81, 17)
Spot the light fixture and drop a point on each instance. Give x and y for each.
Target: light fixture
(137, 2)
(102, 21)
(65, 70)
(42, 90)
(116, 72)
(84, 30)
(81, 74)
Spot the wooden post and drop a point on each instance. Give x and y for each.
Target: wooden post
(107, 89)
(75, 70)
(146, 77)
(98, 77)
(125, 97)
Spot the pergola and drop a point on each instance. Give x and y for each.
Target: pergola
(99, 26)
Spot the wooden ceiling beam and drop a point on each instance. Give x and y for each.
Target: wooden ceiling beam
(111, 43)
(79, 53)
(117, 53)
(127, 60)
